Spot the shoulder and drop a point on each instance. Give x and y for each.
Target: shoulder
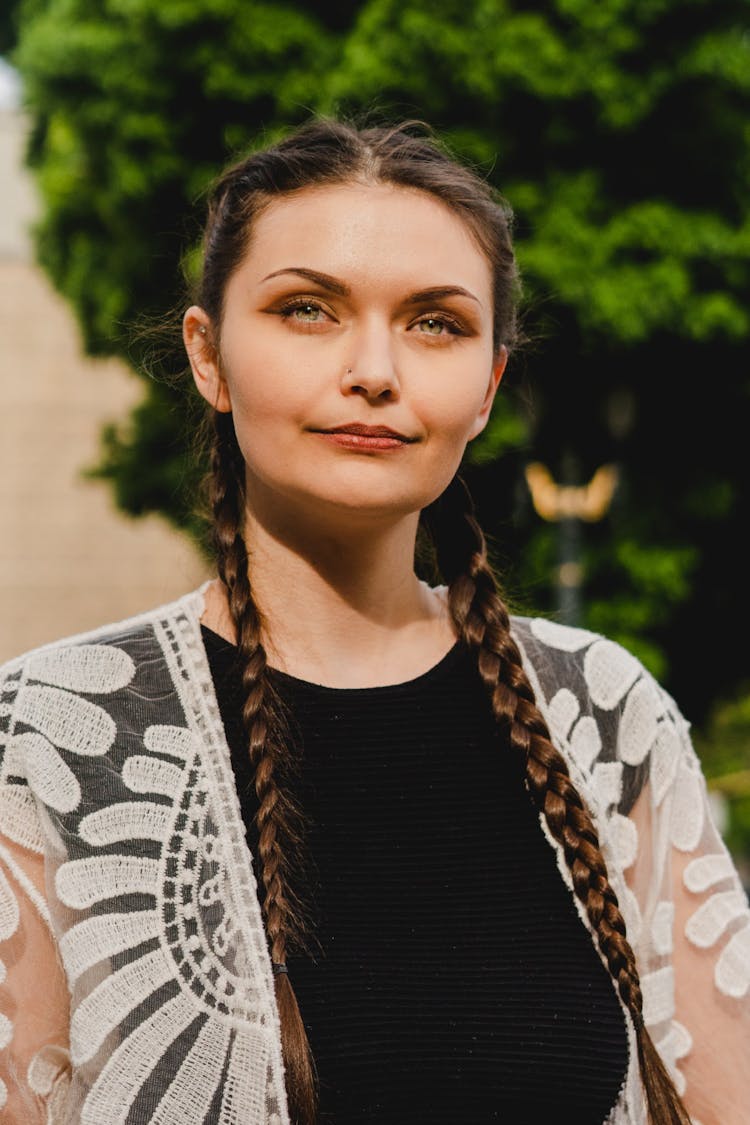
(76, 690)
(92, 651)
(602, 705)
(592, 665)
(566, 656)
(73, 696)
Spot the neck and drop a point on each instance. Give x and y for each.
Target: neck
(340, 607)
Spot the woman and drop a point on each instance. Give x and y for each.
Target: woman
(451, 815)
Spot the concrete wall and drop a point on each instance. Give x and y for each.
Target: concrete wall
(68, 560)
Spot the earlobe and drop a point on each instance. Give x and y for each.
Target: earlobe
(496, 375)
(197, 333)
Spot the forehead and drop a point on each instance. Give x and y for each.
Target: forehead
(368, 232)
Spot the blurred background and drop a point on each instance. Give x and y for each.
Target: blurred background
(613, 478)
(69, 559)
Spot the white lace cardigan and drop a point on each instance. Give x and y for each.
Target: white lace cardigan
(136, 982)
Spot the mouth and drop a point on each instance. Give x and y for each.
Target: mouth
(358, 429)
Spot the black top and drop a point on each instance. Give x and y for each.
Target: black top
(455, 980)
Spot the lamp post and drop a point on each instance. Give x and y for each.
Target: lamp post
(570, 506)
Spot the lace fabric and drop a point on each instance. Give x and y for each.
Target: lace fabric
(686, 912)
(135, 981)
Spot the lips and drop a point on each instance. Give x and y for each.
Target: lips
(361, 430)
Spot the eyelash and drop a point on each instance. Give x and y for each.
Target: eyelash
(454, 326)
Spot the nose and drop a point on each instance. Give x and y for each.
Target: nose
(371, 372)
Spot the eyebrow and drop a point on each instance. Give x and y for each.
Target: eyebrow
(333, 285)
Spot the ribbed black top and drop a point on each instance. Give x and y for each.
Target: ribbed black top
(456, 982)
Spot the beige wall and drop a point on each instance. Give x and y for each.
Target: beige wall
(68, 560)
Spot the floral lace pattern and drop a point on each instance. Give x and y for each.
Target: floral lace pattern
(630, 753)
(170, 1018)
(114, 771)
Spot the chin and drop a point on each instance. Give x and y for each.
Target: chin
(361, 505)
(351, 499)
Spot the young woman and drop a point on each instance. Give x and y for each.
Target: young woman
(322, 841)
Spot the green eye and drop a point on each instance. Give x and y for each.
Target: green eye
(307, 309)
(311, 312)
(434, 323)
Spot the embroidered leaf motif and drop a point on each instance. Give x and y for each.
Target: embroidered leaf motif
(562, 712)
(247, 1077)
(68, 721)
(732, 974)
(82, 882)
(18, 816)
(131, 1062)
(562, 637)
(51, 779)
(687, 810)
(88, 668)
(610, 672)
(189, 1096)
(624, 837)
(665, 757)
(658, 995)
(706, 870)
(675, 1045)
(586, 742)
(712, 918)
(9, 912)
(607, 783)
(104, 935)
(638, 724)
(143, 774)
(126, 820)
(176, 741)
(661, 928)
(6, 1031)
(107, 1005)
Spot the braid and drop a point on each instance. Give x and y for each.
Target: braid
(278, 820)
(482, 622)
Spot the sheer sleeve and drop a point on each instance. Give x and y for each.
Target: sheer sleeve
(693, 942)
(34, 1001)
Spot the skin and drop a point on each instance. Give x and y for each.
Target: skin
(336, 524)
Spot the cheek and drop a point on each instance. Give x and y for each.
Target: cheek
(262, 389)
(450, 417)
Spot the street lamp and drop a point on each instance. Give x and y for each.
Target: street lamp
(570, 505)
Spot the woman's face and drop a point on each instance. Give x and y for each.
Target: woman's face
(355, 351)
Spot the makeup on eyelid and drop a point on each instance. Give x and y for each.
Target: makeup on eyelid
(454, 326)
(354, 392)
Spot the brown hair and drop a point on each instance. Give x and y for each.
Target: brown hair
(407, 154)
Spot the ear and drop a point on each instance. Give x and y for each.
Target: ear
(496, 375)
(197, 335)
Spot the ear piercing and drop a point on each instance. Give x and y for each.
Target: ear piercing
(202, 329)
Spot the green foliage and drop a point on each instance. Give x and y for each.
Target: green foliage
(617, 129)
(635, 591)
(137, 104)
(153, 461)
(507, 429)
(724, 747)
(8, 26)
